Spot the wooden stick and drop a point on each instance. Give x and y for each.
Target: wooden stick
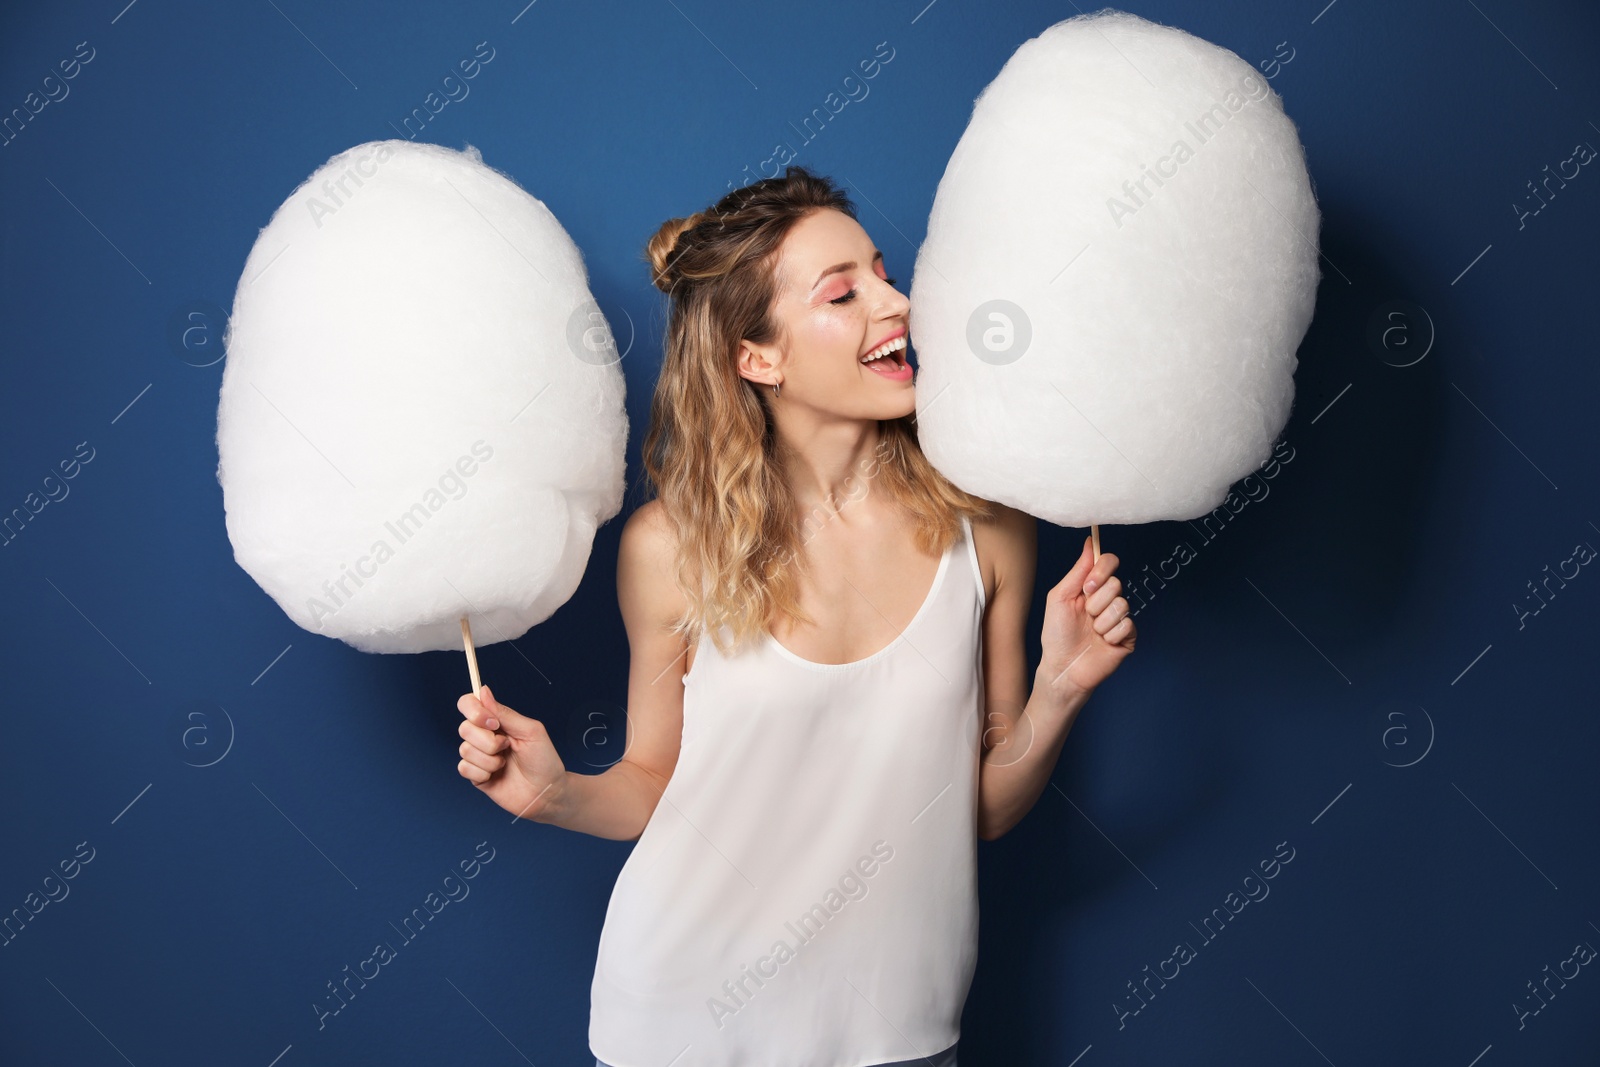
(1094, 532)
(472, 656)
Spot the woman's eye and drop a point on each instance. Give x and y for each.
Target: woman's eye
(851, 295)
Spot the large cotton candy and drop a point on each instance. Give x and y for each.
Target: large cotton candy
(421, 416)
(1097, 344)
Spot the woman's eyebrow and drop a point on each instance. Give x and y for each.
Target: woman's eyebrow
(837, 267)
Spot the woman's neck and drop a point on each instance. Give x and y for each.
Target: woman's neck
(829, 465)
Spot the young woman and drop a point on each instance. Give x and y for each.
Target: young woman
(828, 697)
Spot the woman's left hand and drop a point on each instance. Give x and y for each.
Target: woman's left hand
(1087, 631)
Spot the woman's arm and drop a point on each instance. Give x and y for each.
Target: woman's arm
(618, 802)
(1026, 723)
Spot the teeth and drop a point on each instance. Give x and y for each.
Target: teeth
(897, 345)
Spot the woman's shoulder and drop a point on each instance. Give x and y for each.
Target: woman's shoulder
(1006, 527)
(1007, 545)
(1006, 519)
(647, 565)
(650, 527)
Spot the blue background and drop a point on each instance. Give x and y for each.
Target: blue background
(1341, 667)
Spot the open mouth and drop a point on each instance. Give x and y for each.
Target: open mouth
(889, 359)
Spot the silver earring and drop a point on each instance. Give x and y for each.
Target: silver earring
(775, 387)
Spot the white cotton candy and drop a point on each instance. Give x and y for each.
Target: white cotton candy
(1091, 351)
(421, 415)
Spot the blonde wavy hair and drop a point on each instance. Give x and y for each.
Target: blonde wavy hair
(711, 454)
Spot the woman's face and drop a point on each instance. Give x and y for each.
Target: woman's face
(835, 306)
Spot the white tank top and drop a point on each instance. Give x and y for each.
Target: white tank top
(805, 892)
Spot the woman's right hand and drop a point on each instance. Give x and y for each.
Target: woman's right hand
(508, 756)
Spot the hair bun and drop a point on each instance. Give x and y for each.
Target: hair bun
(662, 247)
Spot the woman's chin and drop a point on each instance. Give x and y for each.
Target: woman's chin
(901, 406)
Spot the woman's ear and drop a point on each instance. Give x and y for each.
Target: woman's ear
(758, 363)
